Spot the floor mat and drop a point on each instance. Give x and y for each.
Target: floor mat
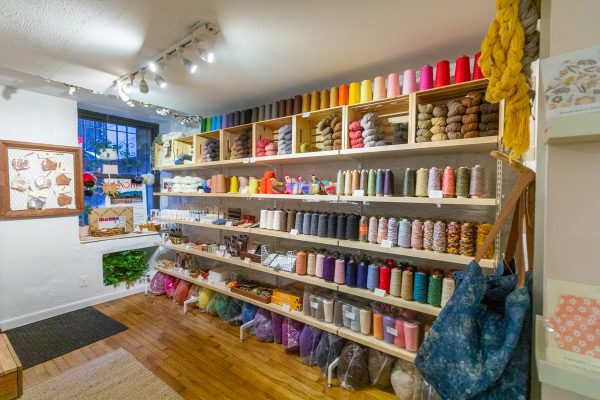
(50, 338)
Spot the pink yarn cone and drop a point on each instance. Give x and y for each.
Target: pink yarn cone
(379, 88)
(409, 83)
(393, 85)
(426, 81)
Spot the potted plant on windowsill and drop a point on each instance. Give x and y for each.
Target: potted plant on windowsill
(84, 229)
(107, 151)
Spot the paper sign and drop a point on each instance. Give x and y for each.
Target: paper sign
(350, 315)
(229, 223)
(358, 192)
(386, 243)
(436, 194)
(391, 331)
(110, 169)
(286, 307)
(294, 232)
(379, 292)
(219, 253)
(247, 260)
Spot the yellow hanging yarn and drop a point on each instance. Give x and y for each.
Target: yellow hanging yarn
(500, 61)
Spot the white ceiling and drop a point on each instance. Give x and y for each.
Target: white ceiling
(267, 49)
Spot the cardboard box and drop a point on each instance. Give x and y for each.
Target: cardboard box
(111, 218)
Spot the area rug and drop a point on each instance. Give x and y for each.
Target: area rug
(50, 338)
(116, 375)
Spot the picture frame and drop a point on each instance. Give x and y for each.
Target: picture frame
(40, 180)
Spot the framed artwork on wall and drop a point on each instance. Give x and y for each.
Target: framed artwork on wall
(39, 180)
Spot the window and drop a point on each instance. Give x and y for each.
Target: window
(132, 141)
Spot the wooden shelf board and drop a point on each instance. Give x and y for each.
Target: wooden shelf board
(310, 197)
(450, 91)
(388, 299)
(420, 200)
(299, 157)
(207, 225)
(197, 194)
(372, 342)
(394, 102)
(300, 238)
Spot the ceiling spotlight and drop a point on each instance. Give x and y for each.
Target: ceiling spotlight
(72, 90)
(123, 91)
(206, 55)
(154, 66)
(187, 63)
(160, 81)
(143, 84)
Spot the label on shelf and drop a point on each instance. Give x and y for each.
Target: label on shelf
(391, 331)
(227, 255)
(286, 307)
(350, 315)
(379, 292)
(220, 253)
(247, 260)
(229, 223)
(222, 248)
(186, 246)
(294, 232)
(358, 192)
(436, 194)
(387, 244)
(314, 304)
(306, 114)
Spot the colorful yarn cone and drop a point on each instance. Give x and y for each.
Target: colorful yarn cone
(333, 97)
(462, 73)
(476, 69)
(393, 85)
(379, 88)
(354, 93)
(366, 91)
(426, 80)
(343, 97)
(442, 73)
(409, 84)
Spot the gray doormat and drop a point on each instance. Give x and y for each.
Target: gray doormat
(53, 337)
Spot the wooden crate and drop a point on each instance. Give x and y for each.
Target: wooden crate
(389, 111)
(228, 137)
(200, 140)
(269, 130)
(184, 145)
(11, 371)
(305, 127)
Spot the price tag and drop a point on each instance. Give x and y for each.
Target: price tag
(350, 315)
(305, 114)
(436, 194)
(286, 307)
(379, 292)
(219, 253)
(294, 232)
(227, 255)
(222, 248)
(386, 243)
(229, 223)
(186, 246)
(391, 331)
(358, 192)
(247, 260)
(246, 160)
(314, 304)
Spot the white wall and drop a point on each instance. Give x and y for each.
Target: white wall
(44, 269)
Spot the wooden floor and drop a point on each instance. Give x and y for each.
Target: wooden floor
(200, 357)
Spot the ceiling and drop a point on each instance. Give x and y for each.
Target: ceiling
(267, 49)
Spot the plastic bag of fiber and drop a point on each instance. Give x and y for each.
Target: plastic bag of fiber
(328, 349)
(406, 381)
(170, 285)
(157, 284)
(248, 312)
(233, 316)
(290, 335)
(380, 368)
(352, 369)
(181, 292)
(263, 327)
(205, 295)
(221, 305)
(309, 340)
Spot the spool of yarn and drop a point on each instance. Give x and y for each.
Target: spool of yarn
(311, 264)
(385, 275)
(379, 88)
(339, 275)
(428, 228)
(274, 110)
(328, 269)
(477, 74)
(289, 107)
(389, 329)
(411, 335)
(324, 101)
(224, 121)
(382, 230)
(291, 220)
(388, 183)
(306, 303)
(434, 291)
(297, 104)
(319, 259)
(371, 182)
(254, 115)
(354, 96)
(442, 73)
(366, 91)
(462, 72)
(409, 83)
(421, 182)
(338, 313)
(263, 219)
(322, 225)
(439, 237)
(332, 226)
(416, 234)
(306, 102)
(379, 182)
(306, 224)
(253, 186)
(482, 231)
(426, 79)
(404, 233)
(365, 321)
(270, 219)
(352, 227)
(453, 238)
(477, 182)
(341, 227)
(301, 260)
(378, 326)
(334, 97)
(355, 180)
(364, 181)
(392, 231)
(343, 95)
(435, 179)
(340, 183)
(448, 182)
(362, 274)
(373, 230)
(463, 182)
(315, 101)
(400, 340)
(351, 273)
(267, 112)
(328, 310)
(363, 229)
(314, 224)
(395, 282)
(243, 183)
(406, 290)
(408, 186)
(279, 221)
(281, 108)
(348, 183)
(393, 85)
(420, 286)
(447, 290)
(373, 277)
(299, 221)
(467, 239)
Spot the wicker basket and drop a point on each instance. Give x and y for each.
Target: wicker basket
(106, 232)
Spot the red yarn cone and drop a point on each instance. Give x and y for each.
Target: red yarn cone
(462, 73)
(476, 70)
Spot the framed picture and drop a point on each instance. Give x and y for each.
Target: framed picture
(39, 180)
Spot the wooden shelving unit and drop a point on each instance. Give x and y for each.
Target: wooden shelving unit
(312, 280)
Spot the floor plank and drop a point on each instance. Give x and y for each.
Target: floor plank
(201, 357)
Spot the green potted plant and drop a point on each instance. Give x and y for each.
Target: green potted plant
(84, 229)
(125, 266)
(106, 150)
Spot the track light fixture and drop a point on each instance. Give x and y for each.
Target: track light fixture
(143, 84)
(72, 90)
(160, 81)
(204, 51)
(154, 66)
(190, 66)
